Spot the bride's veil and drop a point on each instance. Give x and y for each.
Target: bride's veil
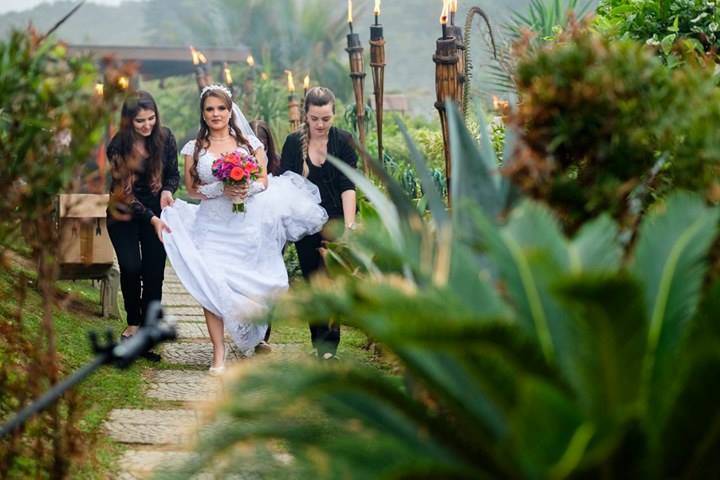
(242, 124)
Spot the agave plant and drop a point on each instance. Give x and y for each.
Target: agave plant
(521, 353)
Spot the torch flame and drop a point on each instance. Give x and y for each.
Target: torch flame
(444, 14)
(228, 75)
(99, 89)
(290, 81)
(250, 60)
(376, 11)
(197, 56)
(306, 82)
(124, 83)
(499, 105)
(453, 6)
(349, 11)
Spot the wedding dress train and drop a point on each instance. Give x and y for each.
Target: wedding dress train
(232, 263)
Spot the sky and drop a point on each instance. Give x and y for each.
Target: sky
(19, 5)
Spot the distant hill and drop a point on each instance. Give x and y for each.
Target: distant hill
(92, 24)
(411, 28)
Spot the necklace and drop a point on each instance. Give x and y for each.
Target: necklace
(219, 139)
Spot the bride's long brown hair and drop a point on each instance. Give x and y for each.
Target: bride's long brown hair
(202, 141)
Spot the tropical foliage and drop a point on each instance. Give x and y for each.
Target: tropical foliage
(540, 22)
(597, 114)
(523, 353)
(307, 37)
(51, 120)
(674, 27)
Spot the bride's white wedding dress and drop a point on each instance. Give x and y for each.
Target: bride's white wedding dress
(232, 263)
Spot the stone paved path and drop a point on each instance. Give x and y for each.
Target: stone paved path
(161, 436)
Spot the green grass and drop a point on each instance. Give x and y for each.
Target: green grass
(78, 314)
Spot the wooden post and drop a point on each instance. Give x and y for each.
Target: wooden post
(357, 74)
(377, 63)
(447, 87)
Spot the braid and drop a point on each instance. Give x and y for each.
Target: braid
(304, 137)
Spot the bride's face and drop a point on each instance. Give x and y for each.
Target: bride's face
(216, 114)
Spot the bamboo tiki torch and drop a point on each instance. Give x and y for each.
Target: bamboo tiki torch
(201, 74)
(249, 84)
(357, 74)
(447, 86)
(306, 87)
(457, 32)
(227, 74)
(377, 62)
(293, 104)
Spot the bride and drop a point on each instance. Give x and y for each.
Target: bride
(230, 262)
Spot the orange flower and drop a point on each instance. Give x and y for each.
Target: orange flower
(237, 174)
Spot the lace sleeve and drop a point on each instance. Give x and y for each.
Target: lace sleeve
(189, 148)
(255, 187)
(212, 190)
(255, 142)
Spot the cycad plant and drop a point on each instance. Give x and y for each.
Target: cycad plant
(520, 353)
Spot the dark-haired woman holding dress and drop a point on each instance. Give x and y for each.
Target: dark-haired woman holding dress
(143, 158)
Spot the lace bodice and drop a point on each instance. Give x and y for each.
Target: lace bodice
(205, 161)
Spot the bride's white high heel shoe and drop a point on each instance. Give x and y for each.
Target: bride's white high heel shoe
(217, 371)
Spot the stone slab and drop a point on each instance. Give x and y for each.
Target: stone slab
(175, 310)
(179, 300)
(142, 462)
(191, 330)
(195, 318)
(153, 427)
(194, 354)
(172, 288)
(184, 386)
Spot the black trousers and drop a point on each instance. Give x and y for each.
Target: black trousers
(325, 338)
(141, 256)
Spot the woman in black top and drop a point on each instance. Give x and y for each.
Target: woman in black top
(305, 152)
(143, 157)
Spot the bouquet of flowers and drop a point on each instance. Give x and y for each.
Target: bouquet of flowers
(236, 168)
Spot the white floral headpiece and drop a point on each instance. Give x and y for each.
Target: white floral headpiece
(216, 86)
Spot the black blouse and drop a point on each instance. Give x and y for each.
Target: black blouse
(330, 181)
(146, 203)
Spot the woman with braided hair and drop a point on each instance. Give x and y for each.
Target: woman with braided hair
(231, 262)
(305, 152)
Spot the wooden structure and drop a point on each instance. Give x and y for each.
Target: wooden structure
(85, 248)
(161, 62)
